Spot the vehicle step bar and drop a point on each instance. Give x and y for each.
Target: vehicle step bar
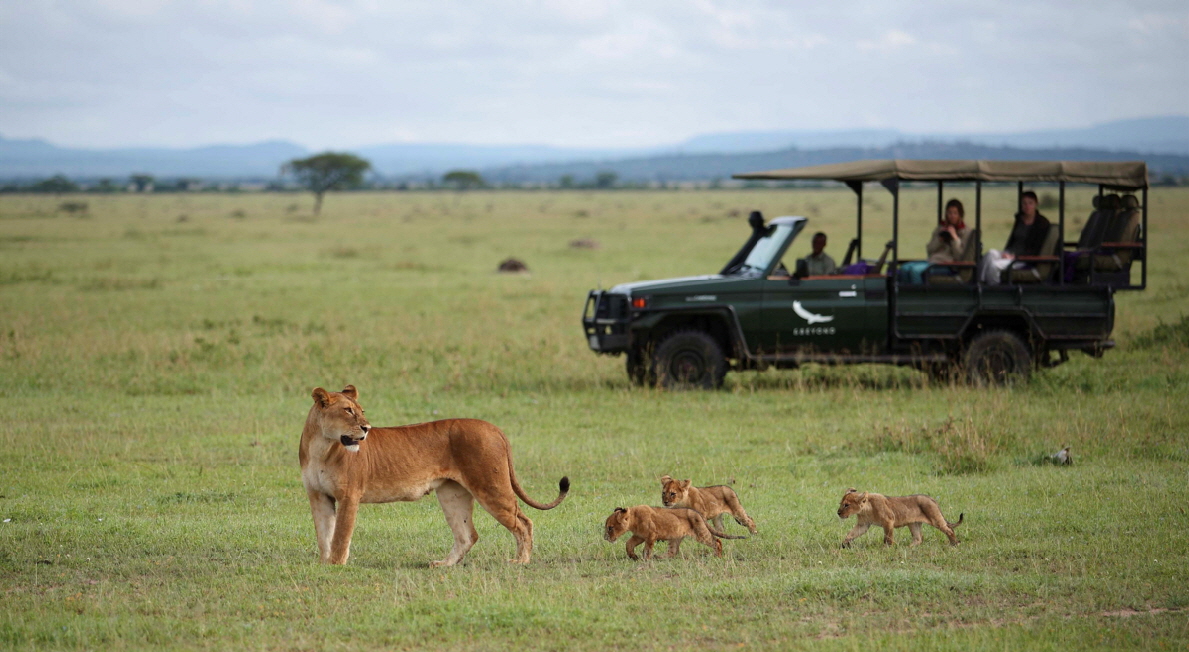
(834, 358)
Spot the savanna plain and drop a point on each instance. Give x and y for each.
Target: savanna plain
(157, 354)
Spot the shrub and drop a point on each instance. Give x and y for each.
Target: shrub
(1173, 334)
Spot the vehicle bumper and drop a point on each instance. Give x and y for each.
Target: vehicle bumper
(605, 322)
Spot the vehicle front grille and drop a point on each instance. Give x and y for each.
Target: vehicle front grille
(612, 306)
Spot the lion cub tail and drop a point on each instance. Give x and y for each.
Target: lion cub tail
(961, 517)
(722, 535)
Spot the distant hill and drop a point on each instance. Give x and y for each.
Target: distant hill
(25, 159)
(704, 167)
(1149, 138)
(1163, 135)
(433, 159)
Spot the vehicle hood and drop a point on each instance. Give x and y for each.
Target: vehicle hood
(671, 284)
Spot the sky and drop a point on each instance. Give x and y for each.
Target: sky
(577, 73)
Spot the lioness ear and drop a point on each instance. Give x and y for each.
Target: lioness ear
(685, 483)
(321, 397)
(620, 509)
(666, 479)
(852, 490)
(350, 392)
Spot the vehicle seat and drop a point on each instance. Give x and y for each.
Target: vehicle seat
(850, 252)
(1079, 260)
(1038, 270)
(1124, 228)
(1095, 228)
(965, 267)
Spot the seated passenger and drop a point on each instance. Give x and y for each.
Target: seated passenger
(819, 262)
(1027, 239)
(948, 244)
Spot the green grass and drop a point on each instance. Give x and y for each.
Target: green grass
(156, 372)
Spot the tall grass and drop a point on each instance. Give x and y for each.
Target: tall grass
(959, 446)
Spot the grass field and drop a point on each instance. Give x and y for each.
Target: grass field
(157, 355)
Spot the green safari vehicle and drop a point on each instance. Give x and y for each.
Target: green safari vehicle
(755, 314)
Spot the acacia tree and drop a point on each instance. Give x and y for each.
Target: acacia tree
(463, 179)
(142, 182)
(327, 171)
(606, 179)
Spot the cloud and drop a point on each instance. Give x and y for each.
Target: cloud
(584, 72)
(892, 39)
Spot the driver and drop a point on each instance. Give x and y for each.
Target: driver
(819, 262)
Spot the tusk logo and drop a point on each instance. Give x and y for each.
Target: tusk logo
(809, 316)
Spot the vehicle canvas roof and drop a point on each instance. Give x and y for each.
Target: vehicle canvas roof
(1123, 174)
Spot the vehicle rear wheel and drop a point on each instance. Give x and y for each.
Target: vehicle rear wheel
(688, 359)
(997, 357)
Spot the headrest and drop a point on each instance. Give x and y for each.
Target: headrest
(1110, 202)
(1096, 202)
(1129, 201)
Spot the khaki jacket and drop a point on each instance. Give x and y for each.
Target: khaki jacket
(947, 251)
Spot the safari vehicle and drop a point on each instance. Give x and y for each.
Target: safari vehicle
(753, 314)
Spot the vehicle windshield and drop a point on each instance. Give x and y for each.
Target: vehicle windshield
(765, 249)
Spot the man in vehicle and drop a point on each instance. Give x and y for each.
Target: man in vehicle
(819, 262)
(1026, 239)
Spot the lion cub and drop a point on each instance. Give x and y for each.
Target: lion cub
(651, 524)
(890, 512)
(711, 502)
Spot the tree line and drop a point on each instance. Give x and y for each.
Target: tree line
(319, 174)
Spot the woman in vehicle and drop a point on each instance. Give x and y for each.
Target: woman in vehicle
(948, 243)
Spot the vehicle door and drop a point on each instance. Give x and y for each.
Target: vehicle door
(823, 314)
(746, 300)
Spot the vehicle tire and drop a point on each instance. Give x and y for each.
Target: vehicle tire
(688, 359)
(997, 357)
(638, 367)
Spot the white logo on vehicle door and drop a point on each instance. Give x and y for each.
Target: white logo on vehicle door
(810, 317)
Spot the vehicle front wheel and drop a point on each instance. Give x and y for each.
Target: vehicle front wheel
(997, 357)
(688, 359)
(638, 367)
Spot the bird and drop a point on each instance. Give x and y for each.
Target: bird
(809, 316)
(1062, 457)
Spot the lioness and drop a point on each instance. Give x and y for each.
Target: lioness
(650, 524)
(712, 502)
(345, 461)
(890, 512)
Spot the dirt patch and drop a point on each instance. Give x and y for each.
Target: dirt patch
(1127, 613)
(512, 266)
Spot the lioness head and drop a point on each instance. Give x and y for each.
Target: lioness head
(617, 523)
(853, 502)
(674, 492)
(341, 417)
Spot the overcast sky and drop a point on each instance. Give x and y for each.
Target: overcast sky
(103, 73)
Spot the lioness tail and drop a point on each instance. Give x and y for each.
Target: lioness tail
(563, 486)
(961, 517)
